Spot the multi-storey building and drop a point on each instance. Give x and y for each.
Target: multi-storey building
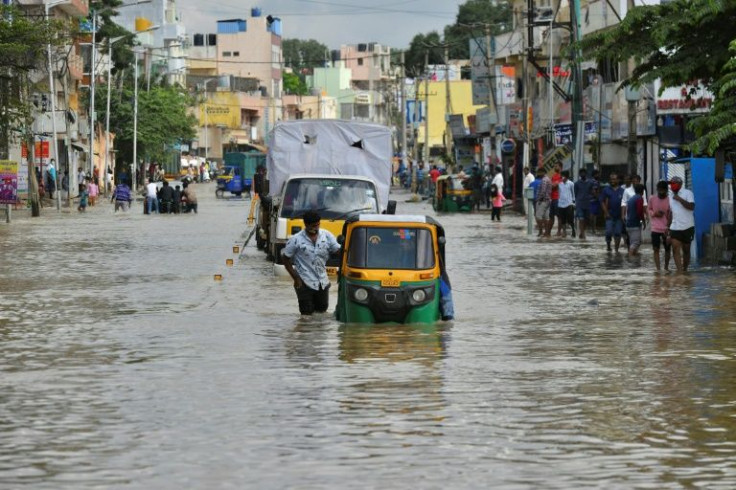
(237, 75)
(165, 53)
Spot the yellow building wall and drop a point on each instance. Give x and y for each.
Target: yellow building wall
(461, 100)
(223, 109)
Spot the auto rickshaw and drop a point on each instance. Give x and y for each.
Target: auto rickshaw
(451, 196)
(392, 270)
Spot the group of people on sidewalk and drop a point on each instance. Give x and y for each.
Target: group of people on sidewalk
(626, 212)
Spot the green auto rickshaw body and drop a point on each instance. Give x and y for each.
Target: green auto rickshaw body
(390, 269)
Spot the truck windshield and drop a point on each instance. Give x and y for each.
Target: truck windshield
(391, 248)
(332, 198)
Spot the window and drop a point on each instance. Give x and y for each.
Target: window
(236, 53)
(360, 61)
(226, 54)
(334, 198)
(391, 248)
(199, 40)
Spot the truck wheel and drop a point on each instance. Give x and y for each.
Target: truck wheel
(219, 193)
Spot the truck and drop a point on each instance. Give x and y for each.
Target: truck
(238, 171)
(334, 167)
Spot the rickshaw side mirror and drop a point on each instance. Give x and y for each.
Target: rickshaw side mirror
(391, 208)
(341, 239)
(441, 240)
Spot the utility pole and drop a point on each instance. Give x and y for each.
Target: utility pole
(448, 103)
(578, 120)
(402, 82)
(134, 167)
(54, 144)
(92, 114)
(426, 106)
(489, 59)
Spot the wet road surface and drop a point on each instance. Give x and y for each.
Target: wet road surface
(124, 364)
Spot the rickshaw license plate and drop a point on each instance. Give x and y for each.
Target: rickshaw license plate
(332, 271)
(390, 283)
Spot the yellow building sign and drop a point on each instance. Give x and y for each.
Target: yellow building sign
(223, 110)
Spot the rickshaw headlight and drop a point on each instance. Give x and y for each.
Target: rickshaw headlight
(419, 295)
(360, 295)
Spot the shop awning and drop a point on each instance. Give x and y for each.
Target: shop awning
(80, 147)
(255, 146)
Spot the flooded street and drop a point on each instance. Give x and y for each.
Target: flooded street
(124, 364)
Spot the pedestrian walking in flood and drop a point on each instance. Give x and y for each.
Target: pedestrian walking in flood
(611, 204)
(166, 196)
(682, 228)
(498, 200)
(94, 190)
(660, 217)
(566, 204)
(151, 196)
(543, 204)
(122, 196)
(635, 219)
(189, 197)
(583, 191)
(80, 179)
(83, 198)
(595, 200)
(177, 200)
(555, 178)
(305, 259)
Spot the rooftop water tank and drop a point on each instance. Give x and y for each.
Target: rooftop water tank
(255, 12)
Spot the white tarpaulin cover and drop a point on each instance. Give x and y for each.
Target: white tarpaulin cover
(330, 146)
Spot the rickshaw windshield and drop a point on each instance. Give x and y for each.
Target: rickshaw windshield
(332, 198)
(391, 248)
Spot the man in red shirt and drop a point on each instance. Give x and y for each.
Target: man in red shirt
(556, 178)
(434, 175)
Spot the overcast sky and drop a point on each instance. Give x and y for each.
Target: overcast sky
(332, 22)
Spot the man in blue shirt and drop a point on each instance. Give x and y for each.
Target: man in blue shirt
(583, 196)
(305, 259)
(611, 204)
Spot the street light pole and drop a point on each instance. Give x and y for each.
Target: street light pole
(135, 124)
(110, 42)
(92, 77)
(52, 88)
(206, 128)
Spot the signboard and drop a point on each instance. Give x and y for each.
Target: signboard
(457, 126)
(41, 151)
(8, 182)
(558, 155)
(484, 120)
(505, 85)
(563, 133)
(508, 146)
(685, 99)
(480, 72)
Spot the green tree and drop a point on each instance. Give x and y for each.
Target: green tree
(164, 118)
(679, 42)
(300, 54)
(293, 84)
(122, 53)
(422, 45)
(472, 19)
(23, 50)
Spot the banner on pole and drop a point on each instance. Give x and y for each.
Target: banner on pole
(8, 182)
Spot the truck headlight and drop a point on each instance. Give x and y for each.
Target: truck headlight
(360, 295)
(419, 295)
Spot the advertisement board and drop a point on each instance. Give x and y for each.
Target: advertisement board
(8, 182)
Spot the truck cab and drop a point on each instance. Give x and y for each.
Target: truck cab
(334, 197)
